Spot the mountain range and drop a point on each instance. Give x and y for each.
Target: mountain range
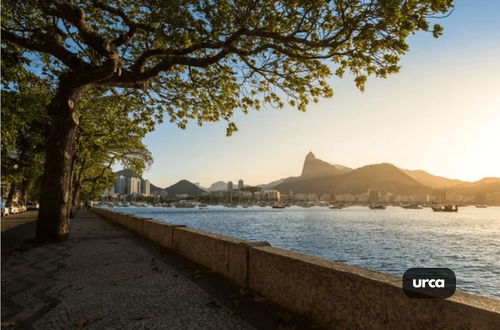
(319, 176)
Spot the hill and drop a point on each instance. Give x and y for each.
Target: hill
(272, 184)
(483, 186)
(432, 181)
(155, 190)
(218, 186)
(184, 187)
(384, 177)
(316, 168)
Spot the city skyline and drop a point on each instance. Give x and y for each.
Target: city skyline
(441, 114)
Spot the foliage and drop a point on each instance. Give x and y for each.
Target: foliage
(204, 59)
(111, 131)
(24, 121)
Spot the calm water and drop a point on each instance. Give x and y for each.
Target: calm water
(391, 240)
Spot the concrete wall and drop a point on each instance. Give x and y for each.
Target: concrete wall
(335, 295)
(226, 255)
(344, 296)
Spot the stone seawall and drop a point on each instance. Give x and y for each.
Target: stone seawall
(336, 295)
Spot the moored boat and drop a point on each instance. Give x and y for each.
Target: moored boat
(377, 207)
(445, 208)
(412, 206)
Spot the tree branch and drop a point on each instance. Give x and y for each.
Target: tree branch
(46, 45)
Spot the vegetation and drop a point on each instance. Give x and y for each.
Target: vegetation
(110, 131)
(198, 60)
(24, 126)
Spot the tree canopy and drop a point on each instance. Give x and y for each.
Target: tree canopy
(202, 60)
(110, 132)
(197, 60)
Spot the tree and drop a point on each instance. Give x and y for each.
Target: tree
(110, 131)
(24, 126)
(200, 60)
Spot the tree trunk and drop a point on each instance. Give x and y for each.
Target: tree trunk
(75, 200)
(11, 194)
(24, 191)
(55, 201)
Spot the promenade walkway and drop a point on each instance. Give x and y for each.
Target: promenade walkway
(103, 277)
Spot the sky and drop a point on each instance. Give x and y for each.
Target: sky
(440, 113)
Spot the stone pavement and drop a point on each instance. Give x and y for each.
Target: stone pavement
(103, 277)
(16, 228)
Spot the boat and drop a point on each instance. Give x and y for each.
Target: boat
(377, 207)
(184, 205)
(278, 206)
(482, 206)
(336, 207)
(412, 206)
(445, 208)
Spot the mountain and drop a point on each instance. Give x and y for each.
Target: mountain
(272, 184)
(184, 187)
(384, 177)
(197, 184)
(155, 190)
(312, 170)
(483, 186)
(482, 182)
(432, 181)
(321, 177)
(315, 168)
(218, 186)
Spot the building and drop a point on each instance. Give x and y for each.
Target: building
(325, 197)
(120, 185)
(134, 186)
(240, 184)
(230, 186)
(272, 195)
(373, 196)
(145, 188)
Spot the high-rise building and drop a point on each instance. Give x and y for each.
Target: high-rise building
(273, 195)
(134, 186)
(240, 184)
(120, 185)
(145, 188)
(230, 186)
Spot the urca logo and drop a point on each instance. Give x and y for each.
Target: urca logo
(429, 282)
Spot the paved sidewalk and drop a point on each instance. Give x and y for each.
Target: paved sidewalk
(103, 277)
(16, 228)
